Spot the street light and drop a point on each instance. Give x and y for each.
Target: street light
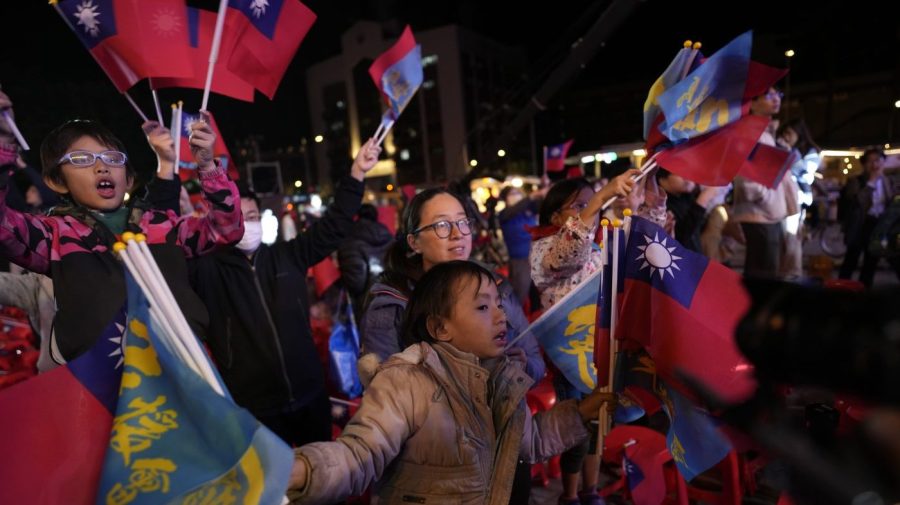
(501, 153)
(298, 183)
(319, 139)
(473, 163)
(789, 53)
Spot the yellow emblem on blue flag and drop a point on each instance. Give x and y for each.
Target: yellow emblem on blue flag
(566, 332)
(174, 439)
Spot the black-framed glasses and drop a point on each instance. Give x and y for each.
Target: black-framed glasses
(443, 228)
(87, 158)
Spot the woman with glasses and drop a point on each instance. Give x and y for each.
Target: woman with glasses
(434, 229)
(87, 166)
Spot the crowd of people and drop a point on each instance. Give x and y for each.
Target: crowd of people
(445, 375)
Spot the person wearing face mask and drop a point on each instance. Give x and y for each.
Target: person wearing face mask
(261, 339)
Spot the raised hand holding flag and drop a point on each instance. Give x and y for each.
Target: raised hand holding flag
(398, 74)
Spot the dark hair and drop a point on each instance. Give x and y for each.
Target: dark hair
(662, 173)
(805, 143)
(401, 268)
(871, 150)
(367, 211)
(507, 190)
(560, 194)
(435, 294)
(245, 192)
(58, 141)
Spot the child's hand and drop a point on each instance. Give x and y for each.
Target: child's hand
(160, 139)
(620, 186)
(203, 138)
(516, 354)
(589, 407)
(297, 480)
(365, 160)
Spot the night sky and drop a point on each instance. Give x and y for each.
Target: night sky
(51, 77)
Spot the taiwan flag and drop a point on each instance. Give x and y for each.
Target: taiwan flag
(57, 426)
(220, 150)
(268, 36)
(683, 309)
(132, 40)
(398, 73)
(201, 25)
(555, 156)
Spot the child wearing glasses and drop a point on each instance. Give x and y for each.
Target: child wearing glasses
(434, 229)
(445, 421)
(562, 256)
(87, 166)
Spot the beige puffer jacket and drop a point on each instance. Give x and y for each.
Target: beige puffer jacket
(426, 433)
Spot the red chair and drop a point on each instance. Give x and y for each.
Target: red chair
(613, 453)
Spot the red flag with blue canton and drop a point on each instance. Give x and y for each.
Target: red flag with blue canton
(683, 309)
(269, 34)
(398, 73)
(555, 159)
(201, 27)
(643, 474)
(132, 40)
(57, 426)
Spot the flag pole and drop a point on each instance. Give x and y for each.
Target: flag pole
(176, 133)
(649, 164)
(180, 126)
(156, 102)
(136, 108)
(604, 419)
(545, 162)
(15, 129)
(213, 53)
(384, 132)
(695, 49)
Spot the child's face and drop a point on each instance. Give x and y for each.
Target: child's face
(477, 323)
(573, 207)
(99, 186)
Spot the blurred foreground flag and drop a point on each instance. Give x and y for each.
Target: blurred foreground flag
(174, 439)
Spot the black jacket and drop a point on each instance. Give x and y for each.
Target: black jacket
(361, 259)
(259, 331)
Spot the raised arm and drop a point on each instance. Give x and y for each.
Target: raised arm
(223, 224)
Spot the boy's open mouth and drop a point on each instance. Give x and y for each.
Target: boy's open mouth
(106, 188)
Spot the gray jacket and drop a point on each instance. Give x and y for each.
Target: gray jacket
(438, 426)
(379, 328)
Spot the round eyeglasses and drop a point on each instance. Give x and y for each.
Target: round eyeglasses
(443, 228)
(87, 158)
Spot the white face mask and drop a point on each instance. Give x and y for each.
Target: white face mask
(252, 237)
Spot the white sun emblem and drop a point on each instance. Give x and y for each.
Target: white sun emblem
(88, 16)
(188, 121)
(656, 256)
(166, 22)
(259, 7)
(555, 151)
(120, 342)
